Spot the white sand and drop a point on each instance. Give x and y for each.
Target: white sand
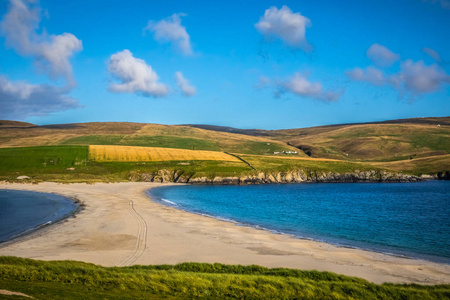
(120, 226)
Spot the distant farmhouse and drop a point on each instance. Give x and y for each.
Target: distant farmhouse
(286, 152)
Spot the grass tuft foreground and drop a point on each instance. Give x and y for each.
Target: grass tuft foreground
(77, 280)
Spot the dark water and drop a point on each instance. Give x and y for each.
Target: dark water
(407, 219)
(24, 211)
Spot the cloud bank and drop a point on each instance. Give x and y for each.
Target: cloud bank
(285, 25)
(19, 100)
(171, 31)
(50, 52)
(187, 89)
(372, 75)
(134, 75)
(382, 56)
(298, 85)
(414, 78)
(301, 86)
(420, 78)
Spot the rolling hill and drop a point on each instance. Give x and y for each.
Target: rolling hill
(63, 151)
(377, 141)
(136, 134)
(419, 145)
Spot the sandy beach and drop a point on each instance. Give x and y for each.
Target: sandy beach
(120, 226)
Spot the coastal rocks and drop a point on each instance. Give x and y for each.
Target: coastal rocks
(443, 175)
(161, 176)
(365, 176)
(427, 177)
(295, 176)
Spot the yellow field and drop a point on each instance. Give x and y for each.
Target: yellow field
(130, 153)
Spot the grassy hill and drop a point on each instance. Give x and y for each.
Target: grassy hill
(137, 134)
(377, 141)
(61, 152)
(77, 280)
(408, 141)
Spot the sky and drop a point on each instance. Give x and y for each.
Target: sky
(246, 64)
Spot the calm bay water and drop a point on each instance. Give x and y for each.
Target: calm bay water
(407, 219)
(23, 211)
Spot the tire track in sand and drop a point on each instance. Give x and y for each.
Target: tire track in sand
(141, 243)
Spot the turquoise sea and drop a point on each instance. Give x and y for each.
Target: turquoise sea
(25, 211)
(405, 219)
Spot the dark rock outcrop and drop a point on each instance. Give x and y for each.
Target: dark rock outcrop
(443, 175)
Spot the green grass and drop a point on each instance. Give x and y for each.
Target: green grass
(272, 164)
(43, 158)
(144, 141)
(253, 147)
(106, 139)
(419, 166)
(432, 141)
(170, 142)
(75, 280)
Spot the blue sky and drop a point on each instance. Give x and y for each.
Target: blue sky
(252, 64)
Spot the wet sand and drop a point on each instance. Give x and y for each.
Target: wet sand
(120, 226)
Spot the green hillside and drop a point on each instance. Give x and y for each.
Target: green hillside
(413, 146)
(406, 141)
(138, 134)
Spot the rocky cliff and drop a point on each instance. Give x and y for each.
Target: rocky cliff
(276, 177)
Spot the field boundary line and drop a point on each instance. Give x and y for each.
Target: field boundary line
(241, 159)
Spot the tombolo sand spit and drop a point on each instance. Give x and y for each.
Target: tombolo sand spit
(120, 226)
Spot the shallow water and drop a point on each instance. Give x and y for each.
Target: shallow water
(24, 211)
(406, 219)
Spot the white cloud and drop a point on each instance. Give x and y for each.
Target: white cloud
(187, 89)
(301, 86)
(371, 75)
(51, 52)
(414, 78)
(135, 76)
(19, 100)
(444, 3)
(382, 56)
(433, 54)
(420, 78)
(170, 30)
(284, 24)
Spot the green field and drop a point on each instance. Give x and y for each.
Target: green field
(105, 139)
(42, 159)
(273, 164)
(77, 280)
(70, 164)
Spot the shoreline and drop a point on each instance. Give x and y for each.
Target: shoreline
(434, 259)
(77, 207)
(357, 245)
(120, 225)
